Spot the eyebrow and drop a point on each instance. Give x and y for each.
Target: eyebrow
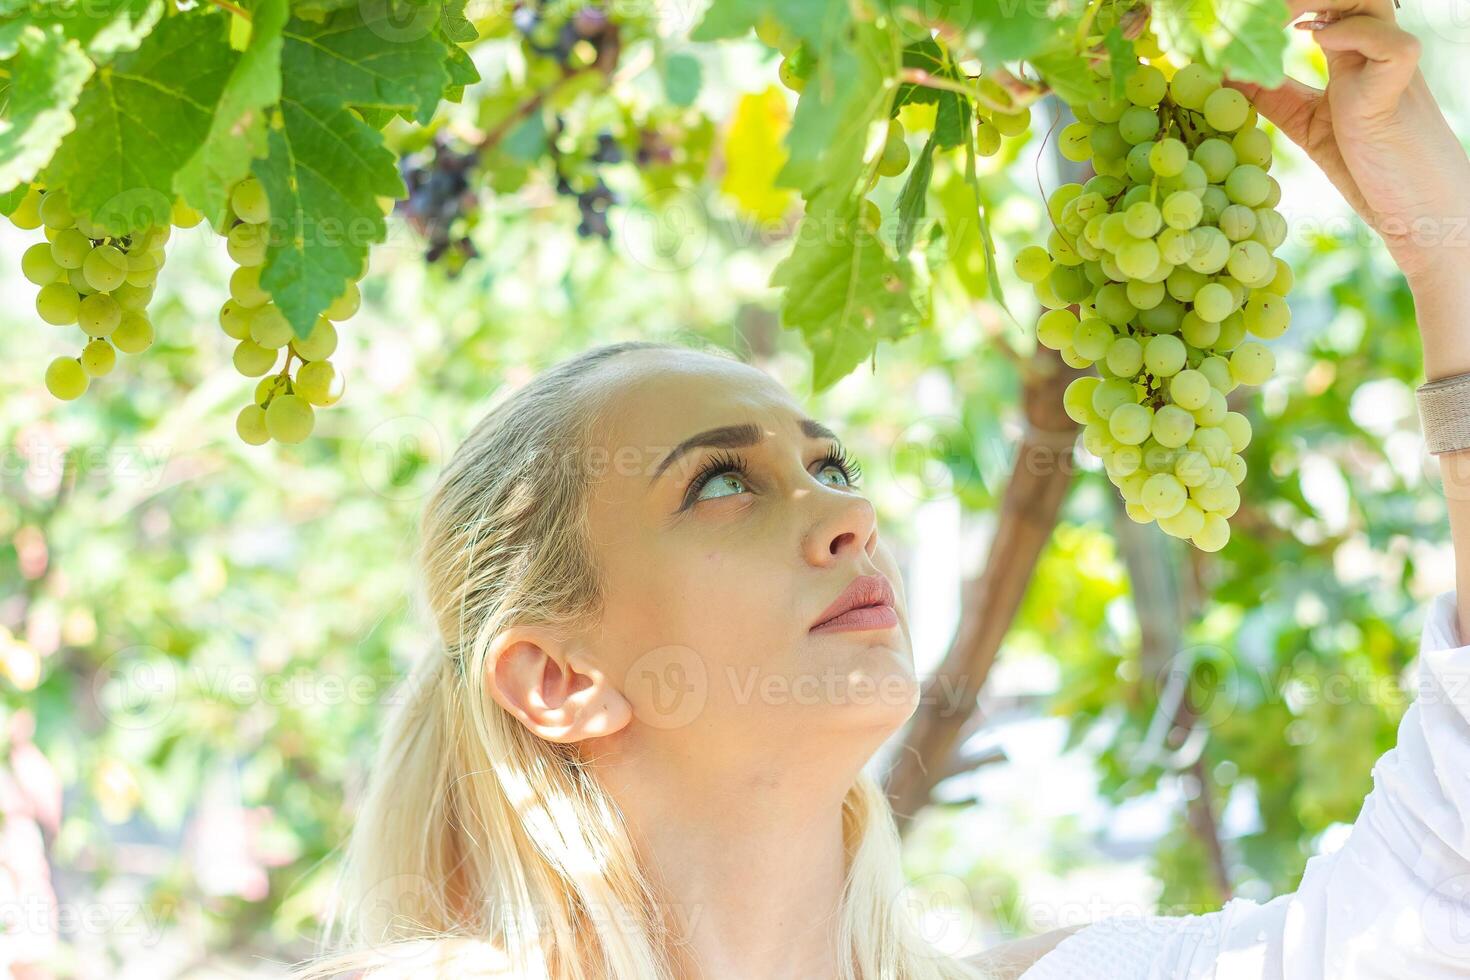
(733, 437)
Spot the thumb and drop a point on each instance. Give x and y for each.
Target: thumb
(1289, 105)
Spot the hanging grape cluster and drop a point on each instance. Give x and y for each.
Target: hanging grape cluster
(285, 401)
(441, 204)
(97, 282)
(1169, 254)
(576, 41)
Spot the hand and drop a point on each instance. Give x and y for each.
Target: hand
(1378, 134)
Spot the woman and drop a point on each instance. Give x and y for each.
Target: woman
(640, 753)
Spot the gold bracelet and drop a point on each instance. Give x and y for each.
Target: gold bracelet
(1444, 413)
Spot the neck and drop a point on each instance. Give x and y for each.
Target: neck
(749, 870)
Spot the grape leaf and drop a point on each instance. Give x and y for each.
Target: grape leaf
(983, 226)
(1066, 71)
(140, 118)
(47, 73)
(237, 132)
(323, 174)
(1005, 30)
(915, 191)
(843, 291)
(952, 119)
(928, 56)
(455, 29)
(682, 77)
(816, 21)
(753, 155)
(103, 28)
(365, 56)
(1122, 60)
(850, 90)
(963, 248)
(1243, 38)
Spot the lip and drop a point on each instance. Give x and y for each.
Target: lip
(866, 604)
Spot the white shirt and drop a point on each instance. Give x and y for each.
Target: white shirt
(1392, 902)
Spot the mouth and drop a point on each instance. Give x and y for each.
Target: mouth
(866, 604)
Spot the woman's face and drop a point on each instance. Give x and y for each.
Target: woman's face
(715, 578)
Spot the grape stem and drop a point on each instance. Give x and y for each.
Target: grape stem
(238, 11)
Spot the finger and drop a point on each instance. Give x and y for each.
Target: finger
(1381, 9)
(1392, 53)
(1289, 105)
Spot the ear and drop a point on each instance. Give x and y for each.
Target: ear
(555, 692)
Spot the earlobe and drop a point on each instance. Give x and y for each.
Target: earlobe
(552, 691)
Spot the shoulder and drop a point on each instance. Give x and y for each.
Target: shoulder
(1009, 960)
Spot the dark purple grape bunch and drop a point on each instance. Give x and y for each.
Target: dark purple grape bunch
(554, 30)
(441, 204)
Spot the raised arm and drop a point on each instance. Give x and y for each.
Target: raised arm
(1379, 136)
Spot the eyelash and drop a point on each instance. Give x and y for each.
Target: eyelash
(727, 462)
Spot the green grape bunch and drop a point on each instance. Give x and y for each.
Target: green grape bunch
(98, 282)
(1168, 252)
(284, 404)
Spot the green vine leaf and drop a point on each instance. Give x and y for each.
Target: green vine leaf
(237, 133)
(47, 73)
(371, 59)
(323, 174)
(1242, 37)
(843, 291)
(139, 120)
(103, 28)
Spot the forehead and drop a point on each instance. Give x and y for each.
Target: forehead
(655, 400)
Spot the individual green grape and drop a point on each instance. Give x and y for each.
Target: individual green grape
(1124, 357)
(1092, 338)
(1238, 428)
(1190, 389)
(1163, 318)
(1250, 263)
(57, 303)
(56, 211)
(1168, 157)
(1214, 302)
(143, 266)
(1217, 494)
(345, 305)
(1107, 109)
(1282, 282)
(27, 214)
(1077, 399)
(1192, 468)
(1185, 522)
(1232, 332)
(1213, 441)
(1217, 370)
(1164, 355)
(1070, 283)
(1181, 210)
(319, 383)
(895, 159)
(235, 319)
(246, 244)
(130, 297)
(1213, 410)
(134, 333)
(1013, 123)
(250, 426)
(319, 344)
(98, 315)
(1055, 328)
(98, 357)
(1138, 125)
(77, 281)
(1196, 331)
(786, 72)
(1125, 461)
(66, 378)
(1252, 363)
(1235, 468)
(1110, 394)
(1139, 258)
(1267, 315)
(1145, 86)
(105, 268)
(1216, 157)
(289, 418)
(1211, 250)
(1164, 495)
(1142, 220)
(1213, 534)
(1144, 295)
(988, 138)
(69, 248)
(1172, 426)
(1130, 423)
(1226, 110)
(1075, 142)
(253, 360)
(1237, 222)
(269, 326)
(249, 202)
(1252, 146)
(1270, 228)
(245, 287)
(37, 265)
(1247, 184)
(183, 216)
(1191, 85)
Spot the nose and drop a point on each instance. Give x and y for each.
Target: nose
(848, 522)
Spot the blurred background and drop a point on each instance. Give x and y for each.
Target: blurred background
(198, 637)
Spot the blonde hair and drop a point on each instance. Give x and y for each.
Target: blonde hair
(480, 849)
